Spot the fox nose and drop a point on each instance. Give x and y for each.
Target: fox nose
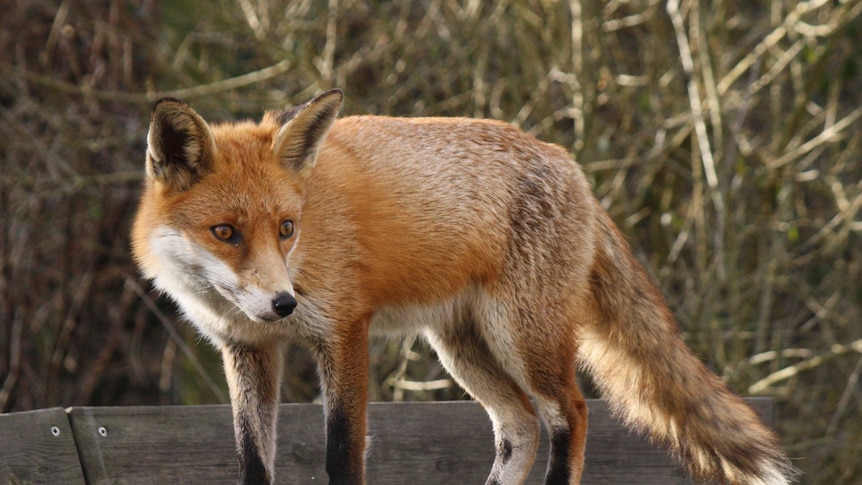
(283, 304)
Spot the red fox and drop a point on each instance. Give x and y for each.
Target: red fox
(470, 233)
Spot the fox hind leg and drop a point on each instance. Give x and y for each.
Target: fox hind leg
(548, 353)
(564, 412)
(540, 355)
(467, 357)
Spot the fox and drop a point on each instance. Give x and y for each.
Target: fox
(486, 242)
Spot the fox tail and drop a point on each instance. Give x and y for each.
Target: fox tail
(656, 385)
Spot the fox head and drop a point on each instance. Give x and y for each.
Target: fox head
(222, 207)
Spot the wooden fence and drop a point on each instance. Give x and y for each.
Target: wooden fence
(411, 443)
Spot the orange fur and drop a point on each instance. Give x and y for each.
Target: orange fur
(482, 239)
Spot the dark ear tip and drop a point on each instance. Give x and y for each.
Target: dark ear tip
(336, 93)
(331, 97)
(168, 101)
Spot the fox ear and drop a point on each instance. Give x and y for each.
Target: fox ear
(303, 129)
(180, 145)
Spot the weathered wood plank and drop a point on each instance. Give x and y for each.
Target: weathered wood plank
(431, 443)
(38, 447)
(155, 444)
(452, 443)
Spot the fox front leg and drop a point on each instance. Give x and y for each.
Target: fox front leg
(253, 375)
(343, 363)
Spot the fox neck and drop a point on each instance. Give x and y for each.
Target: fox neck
(200, 304)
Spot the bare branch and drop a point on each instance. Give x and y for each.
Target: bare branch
(835, 351)
(126, 97)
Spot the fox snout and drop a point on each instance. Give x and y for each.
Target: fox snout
(263, 306)
(283, 304)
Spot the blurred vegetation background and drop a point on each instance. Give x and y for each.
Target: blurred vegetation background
(723, 137)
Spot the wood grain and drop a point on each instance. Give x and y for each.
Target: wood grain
(38, 447)
(423, 443)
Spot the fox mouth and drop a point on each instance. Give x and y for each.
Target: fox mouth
(265, 319)
(258, 306)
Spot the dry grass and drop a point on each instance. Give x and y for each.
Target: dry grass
(722, 136)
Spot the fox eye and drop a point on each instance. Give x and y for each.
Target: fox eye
(226, 233)
(285, 231)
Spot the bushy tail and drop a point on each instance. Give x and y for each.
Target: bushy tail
(633, 350)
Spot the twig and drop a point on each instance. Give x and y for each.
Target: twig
(825, 136)
(418, 386)
(71, 184)
(845, 399)
(326, 62)
(167, 365)
(124, 97)
(701, 133)
(14, 361)
(767, 43)
(578, 98)
(54, 35)
(693, 93)
(184, 348)
(836, 350)
(252, 19)
(771, 355)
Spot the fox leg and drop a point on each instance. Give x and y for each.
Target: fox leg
(540, 355)
(564, 412)
(343, 366)
(253, 374)
(467, 357)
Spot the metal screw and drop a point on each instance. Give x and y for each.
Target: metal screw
(102, 431)
(55, 431)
